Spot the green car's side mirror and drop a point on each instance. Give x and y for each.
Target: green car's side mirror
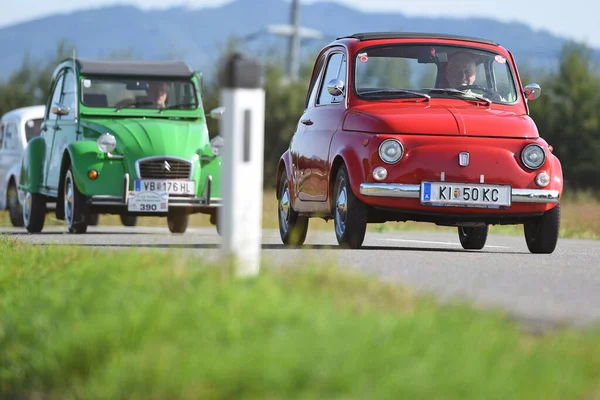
(217, 113)
(198, 75)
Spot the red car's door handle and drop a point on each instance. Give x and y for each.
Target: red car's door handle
(306, 121)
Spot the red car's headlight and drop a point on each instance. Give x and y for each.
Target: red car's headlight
(391, 151)
(533, 156)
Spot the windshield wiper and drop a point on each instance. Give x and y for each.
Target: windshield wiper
(457, 92)
(395, 91)
(180, 105)
(135, 104)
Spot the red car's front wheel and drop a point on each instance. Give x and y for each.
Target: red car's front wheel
(350, 214)
(541, 233)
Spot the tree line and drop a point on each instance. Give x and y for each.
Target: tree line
(567, 114)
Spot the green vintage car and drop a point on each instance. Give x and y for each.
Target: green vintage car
(122, 137)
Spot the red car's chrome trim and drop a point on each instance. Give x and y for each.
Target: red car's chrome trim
(413, 191)
(390, 190)
(535, 196)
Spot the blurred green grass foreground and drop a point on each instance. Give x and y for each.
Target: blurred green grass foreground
(76, 323)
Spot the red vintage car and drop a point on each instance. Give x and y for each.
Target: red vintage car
(422, 127)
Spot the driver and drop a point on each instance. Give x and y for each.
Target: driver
(156, 97)
(461, 71)
(157, 93)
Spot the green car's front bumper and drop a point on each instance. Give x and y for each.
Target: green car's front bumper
(190, 204)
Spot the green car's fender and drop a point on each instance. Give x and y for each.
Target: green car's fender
(212, 168)
(32, 167)
(84, 156)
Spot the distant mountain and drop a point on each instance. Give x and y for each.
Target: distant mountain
(198, 36)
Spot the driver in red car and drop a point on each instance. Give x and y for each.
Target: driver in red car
(461, 72)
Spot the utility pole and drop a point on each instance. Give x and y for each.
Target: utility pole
(295, 33)
(294, 45)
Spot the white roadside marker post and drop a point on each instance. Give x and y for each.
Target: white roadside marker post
(242, 127)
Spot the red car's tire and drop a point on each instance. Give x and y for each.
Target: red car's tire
(292, 226)
(349, 213)
(473, 237)
(541, 233)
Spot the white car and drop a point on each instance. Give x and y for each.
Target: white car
(17, 128)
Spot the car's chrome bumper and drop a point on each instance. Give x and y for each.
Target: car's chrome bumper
(413, 191)
(174, 201)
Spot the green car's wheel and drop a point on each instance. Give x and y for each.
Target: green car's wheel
(129, 220)
(178, 222)
(214, 220)
(34, 212)
(76, 210)
(93, 219)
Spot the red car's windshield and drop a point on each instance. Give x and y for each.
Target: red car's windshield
(436, 70)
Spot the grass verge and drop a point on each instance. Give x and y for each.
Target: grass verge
(79, 323)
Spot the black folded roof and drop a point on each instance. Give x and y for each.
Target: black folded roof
(158, 68)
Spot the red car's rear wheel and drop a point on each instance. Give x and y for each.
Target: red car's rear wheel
(292, 227)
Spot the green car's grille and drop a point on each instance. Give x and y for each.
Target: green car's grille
(164, 168)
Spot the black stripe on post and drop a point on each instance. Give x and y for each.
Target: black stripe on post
(247, 125)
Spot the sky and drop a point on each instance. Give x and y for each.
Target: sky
(574, 19)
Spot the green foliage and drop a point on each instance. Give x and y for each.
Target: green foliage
(30, 84)
(568, 116)
(88, 324)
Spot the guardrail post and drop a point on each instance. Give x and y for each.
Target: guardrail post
(242, 127)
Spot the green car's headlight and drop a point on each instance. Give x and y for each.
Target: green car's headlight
(107, 143)
(216, 145)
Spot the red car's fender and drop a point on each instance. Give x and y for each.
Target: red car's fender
(557, 176)
(285, 167)
(354, 149)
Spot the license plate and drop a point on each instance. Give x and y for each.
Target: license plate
(186, 187)
(465, 194)
(148, 201)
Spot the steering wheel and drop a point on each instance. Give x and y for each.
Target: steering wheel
(488, 92)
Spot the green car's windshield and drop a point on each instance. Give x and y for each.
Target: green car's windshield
(119, 93)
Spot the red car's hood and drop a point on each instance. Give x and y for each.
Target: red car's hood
(439, 120)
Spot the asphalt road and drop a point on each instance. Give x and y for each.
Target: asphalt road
(541, 290)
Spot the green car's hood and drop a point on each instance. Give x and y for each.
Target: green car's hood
(139, 138)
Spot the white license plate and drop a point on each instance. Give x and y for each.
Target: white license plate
(465, 194)
(148, 201)
(186, 187)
